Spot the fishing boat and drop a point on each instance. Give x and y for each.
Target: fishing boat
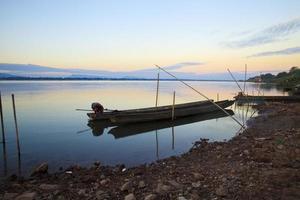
(116, 117)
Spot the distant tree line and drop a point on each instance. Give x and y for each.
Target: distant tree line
(283, 79)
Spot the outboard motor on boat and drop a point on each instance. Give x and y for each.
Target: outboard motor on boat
(97, 107)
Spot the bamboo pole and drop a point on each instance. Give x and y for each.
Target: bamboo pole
(16, 123)
(156, 137)
(173, 106)
(201, 95)
(2, 121)
(173, 138)
(245, 78)
(235, 80)
(4, 159)
(157, 88)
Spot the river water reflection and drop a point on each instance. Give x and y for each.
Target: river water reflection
(52, 131)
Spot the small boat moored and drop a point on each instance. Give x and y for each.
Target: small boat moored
(159, 113)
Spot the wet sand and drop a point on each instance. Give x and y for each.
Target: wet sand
(262, 162)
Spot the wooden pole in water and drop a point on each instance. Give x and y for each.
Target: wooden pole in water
(202, 95)
(157, 88)
(217, 96)
(4, 159)
(16, 123)
(245, 78)
(156, 137)
(173, 107)
(173, 138)
(2, 121)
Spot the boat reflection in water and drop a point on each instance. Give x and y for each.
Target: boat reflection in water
(138, 128)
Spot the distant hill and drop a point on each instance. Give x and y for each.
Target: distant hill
(30, 71)
(283, 79)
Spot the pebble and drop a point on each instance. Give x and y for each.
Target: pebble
(221, 191)
(26, 196)
(130, 197)
(104, 182)
(174, 184)
(8, 196)
(246, 152)
(150, 197)
(280, 146)
(181, 198)
(125, 186)
(41, 169)
(81, 192)
(48, 187)
(142, 184)
(161, 188)
(198, 176)
(100, 195)
(196, 184)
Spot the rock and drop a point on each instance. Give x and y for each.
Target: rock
(8, 196)
(246, 152)
(130, 197)
(61, 197)
(97, 163)
(125, 186)
(194, 196)
(174, 184)
(142, 184)
(181, 198)
(26, 196)
(41, 169)
(196, 184)
(81, 192)
(104, 182)
(221, 191)
(219, 147)
(100, 195)
(280, 146)
(150, 197)
(161, 188)
(198, 176)
(48, 187)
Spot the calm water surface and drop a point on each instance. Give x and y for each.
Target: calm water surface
(51, 130)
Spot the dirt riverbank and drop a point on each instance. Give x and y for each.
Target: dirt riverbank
(263, 162)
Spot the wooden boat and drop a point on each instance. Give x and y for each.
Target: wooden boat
(159, 113)
(138, 128)
(241, 98)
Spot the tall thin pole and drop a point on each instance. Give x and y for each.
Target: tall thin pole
(245, 78)
(157, 88)
(2, 121)
(234, 80)
(156, 104)
(173, 107)
(16, 123)
(201, 95)
(156, 137)
(173, 138)
(4, 159)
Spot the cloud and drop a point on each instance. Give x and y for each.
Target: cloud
(182, 65)
(289, 51)
(268, 35)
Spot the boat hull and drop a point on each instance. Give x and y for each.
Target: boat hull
(160, 113)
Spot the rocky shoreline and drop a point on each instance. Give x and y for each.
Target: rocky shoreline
(263, 162)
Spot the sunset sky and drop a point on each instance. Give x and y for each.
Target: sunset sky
(203, 36)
